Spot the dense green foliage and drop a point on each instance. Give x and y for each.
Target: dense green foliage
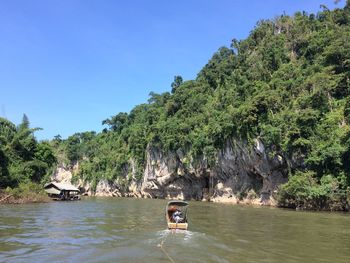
(25, 192)
(304, 191)
(22, 158)
(288, 83)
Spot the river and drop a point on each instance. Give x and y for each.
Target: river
(134, 230)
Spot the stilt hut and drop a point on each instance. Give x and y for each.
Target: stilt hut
(62, 191)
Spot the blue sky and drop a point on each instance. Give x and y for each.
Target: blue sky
(69, 64)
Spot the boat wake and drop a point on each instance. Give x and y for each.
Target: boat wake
(173, 242)
(178, 237)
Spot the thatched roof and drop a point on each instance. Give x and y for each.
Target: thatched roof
(52, 190)
(177, 202)
(61, 186)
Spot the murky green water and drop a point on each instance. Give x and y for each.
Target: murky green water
(131, 230)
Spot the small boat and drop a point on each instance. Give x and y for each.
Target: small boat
(176, 215)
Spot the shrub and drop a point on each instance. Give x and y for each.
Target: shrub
(27, 192)
(302, 191)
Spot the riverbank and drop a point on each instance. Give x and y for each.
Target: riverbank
(32, 198)
(24, 194)
(338, 203)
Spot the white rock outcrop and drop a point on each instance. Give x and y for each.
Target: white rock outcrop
(239, 170)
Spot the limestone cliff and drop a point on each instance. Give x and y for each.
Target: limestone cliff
(240, 173)
(64, 173)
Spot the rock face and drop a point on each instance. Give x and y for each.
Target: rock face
(64, 174)
(240, 172)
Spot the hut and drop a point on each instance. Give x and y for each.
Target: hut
(62, 191)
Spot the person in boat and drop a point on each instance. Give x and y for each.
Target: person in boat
(177, 216)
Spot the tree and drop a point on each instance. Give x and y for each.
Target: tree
(57, 138)
(176, 83)
(22, 159)
(117, 122)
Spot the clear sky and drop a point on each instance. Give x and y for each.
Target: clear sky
(69, 64)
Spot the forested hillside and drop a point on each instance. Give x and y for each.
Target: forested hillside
(287, 84)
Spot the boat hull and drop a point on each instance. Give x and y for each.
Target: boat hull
(182, 226)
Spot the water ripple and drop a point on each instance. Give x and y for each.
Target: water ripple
(129, 230)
